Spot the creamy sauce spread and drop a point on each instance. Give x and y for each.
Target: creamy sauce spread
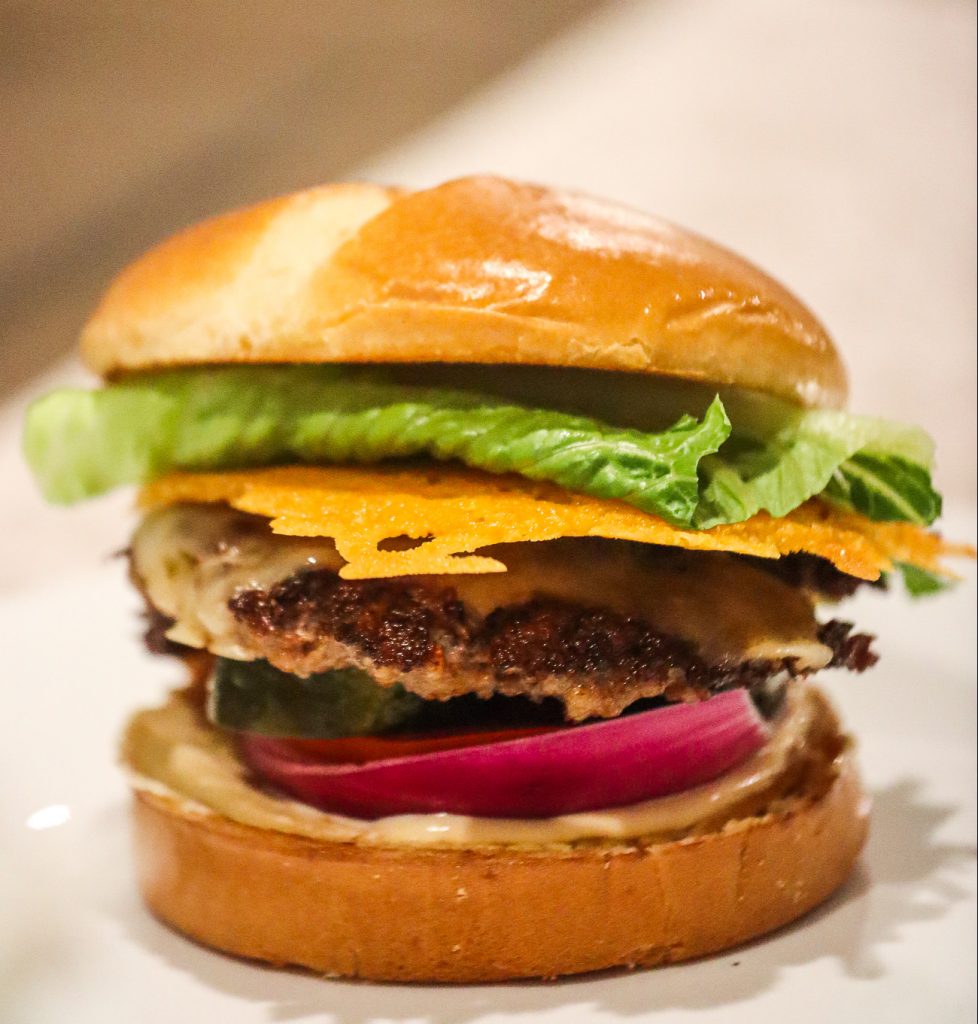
(192, 559)
(171, 750)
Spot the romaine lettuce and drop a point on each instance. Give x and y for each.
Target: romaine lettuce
(81, 443)
(699, 472)
(779, 456)
(921, 582)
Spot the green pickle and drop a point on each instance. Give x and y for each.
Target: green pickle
(253, 696)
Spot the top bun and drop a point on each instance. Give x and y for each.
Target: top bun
(478, 270)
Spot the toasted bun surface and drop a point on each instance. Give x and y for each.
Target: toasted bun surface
(478, 270)
(409, 913)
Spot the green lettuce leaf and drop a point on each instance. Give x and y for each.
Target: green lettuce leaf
(920, 582)
(778, 457)
(702, 472)
(886, 487)
(82, 443)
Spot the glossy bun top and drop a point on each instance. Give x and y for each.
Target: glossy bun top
(477, 270)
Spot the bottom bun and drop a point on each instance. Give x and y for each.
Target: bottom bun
(494, 913)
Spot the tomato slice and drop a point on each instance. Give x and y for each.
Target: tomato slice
(364, 749)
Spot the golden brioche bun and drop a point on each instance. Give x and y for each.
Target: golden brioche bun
(489, 913)
(478, 270)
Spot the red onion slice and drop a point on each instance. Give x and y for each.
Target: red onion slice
(587, 767)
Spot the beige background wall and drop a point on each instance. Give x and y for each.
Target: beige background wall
(123, 121)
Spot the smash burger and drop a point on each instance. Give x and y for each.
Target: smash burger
(494, 524)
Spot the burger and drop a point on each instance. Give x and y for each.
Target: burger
(500, 530)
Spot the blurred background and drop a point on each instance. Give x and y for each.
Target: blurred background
(831, 142)
(124, 121)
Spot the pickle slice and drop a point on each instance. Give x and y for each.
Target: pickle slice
(253, 696)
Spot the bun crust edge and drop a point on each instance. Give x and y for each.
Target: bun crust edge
(477, 270)
(492, 914)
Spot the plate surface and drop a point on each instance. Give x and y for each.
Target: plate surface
(898, 944)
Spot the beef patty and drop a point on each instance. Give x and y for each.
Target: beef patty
(593, 659)
(595, 624)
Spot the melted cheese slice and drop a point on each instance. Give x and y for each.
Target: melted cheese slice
(456, 513)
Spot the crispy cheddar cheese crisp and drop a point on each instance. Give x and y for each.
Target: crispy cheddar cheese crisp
(458, 512)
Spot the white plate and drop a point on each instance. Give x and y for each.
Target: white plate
(898, 944)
